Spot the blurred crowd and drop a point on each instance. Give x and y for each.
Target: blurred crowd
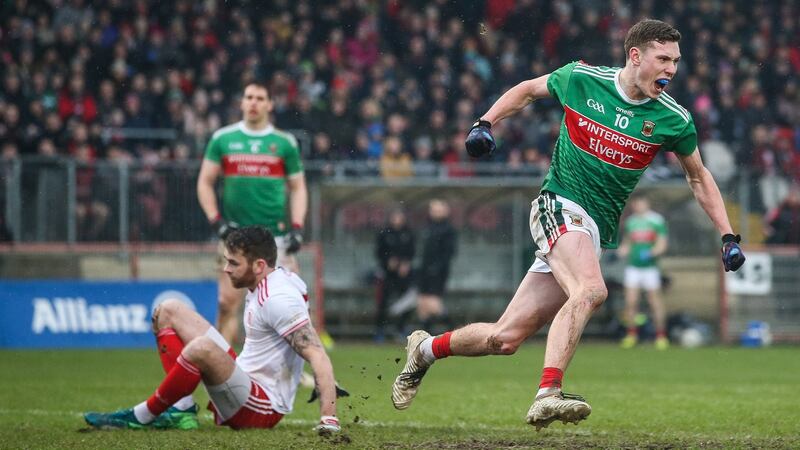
(394, 82)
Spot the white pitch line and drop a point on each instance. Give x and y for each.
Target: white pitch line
(40, 412)
(312, 423)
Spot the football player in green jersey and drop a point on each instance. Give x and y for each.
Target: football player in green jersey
(615, 120)
(643, 241)
(257, 163)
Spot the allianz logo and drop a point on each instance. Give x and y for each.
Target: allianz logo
(74, 315)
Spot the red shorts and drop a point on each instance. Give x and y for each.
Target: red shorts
(257, 412)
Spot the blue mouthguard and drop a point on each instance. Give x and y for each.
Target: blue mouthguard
(663, 82)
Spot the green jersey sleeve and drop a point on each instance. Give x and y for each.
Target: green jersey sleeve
(558, 81)
(292, 159)
(686, 142)
(214, 150)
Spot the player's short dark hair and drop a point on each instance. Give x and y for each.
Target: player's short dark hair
(257, 83)
(255, 242)
(647, 31)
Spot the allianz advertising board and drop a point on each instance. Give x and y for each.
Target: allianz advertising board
(86, 314)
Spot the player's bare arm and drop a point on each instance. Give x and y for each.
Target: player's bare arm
(306, 343)
(209, 172)
(624, 247)
(660, 246)
(705, 190)
(298, 198)
(517, 98)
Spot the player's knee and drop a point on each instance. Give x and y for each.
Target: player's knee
(165, 313)
(595, 294)
(199, 349)
(504, 342)
(227, 306)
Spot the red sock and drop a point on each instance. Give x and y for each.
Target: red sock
(181, 381)
(170, 347)
(551, 377)
(661, 334)
(633, 331)
(441, 345)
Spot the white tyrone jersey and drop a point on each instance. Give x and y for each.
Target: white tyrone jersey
(274, 310)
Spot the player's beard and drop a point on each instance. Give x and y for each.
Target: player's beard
(245, 281)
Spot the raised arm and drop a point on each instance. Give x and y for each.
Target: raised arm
(517, 98)
(480, 141)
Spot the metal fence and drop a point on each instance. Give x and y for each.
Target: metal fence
(62, 200)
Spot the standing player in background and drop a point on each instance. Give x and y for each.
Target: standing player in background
(644, 240)
(394, 249)
(615, 121)
(438, 250)
(256, 389)
(257, 163)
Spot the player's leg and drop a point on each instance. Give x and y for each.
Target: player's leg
(289, 261)
(576, 267)
(536, 301)
(431, 312)
(239, 402)
(174, 323)
(429, 305)
(654, 299)
(631, 283)
(230, 304)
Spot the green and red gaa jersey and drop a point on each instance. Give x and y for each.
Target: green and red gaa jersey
(643, 230)
(255, 166)
(607, 140)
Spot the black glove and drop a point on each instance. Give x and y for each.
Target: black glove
(340, 392)
(294, 240)
(223, 227)
(480, 141)
(732, 254)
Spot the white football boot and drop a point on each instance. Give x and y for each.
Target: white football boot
(557, 405)
(406, 384)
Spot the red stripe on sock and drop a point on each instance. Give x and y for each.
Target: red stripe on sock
(551, 377)
(170, 347)
(441, 345)
(232, 352)
(661, 334)
(181, 381)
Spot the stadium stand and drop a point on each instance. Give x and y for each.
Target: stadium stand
(150, 80)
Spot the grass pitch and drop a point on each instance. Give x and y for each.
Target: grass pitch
(719, 397)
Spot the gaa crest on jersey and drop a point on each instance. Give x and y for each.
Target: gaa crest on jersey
(647, 128)
(273, 148)
(576, 220)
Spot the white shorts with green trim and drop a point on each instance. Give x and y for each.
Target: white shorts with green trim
(553, 215)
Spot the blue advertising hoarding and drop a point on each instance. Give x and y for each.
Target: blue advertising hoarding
(87, 314)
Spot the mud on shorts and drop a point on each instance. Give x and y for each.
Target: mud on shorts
(240, 402)
(553, 215)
